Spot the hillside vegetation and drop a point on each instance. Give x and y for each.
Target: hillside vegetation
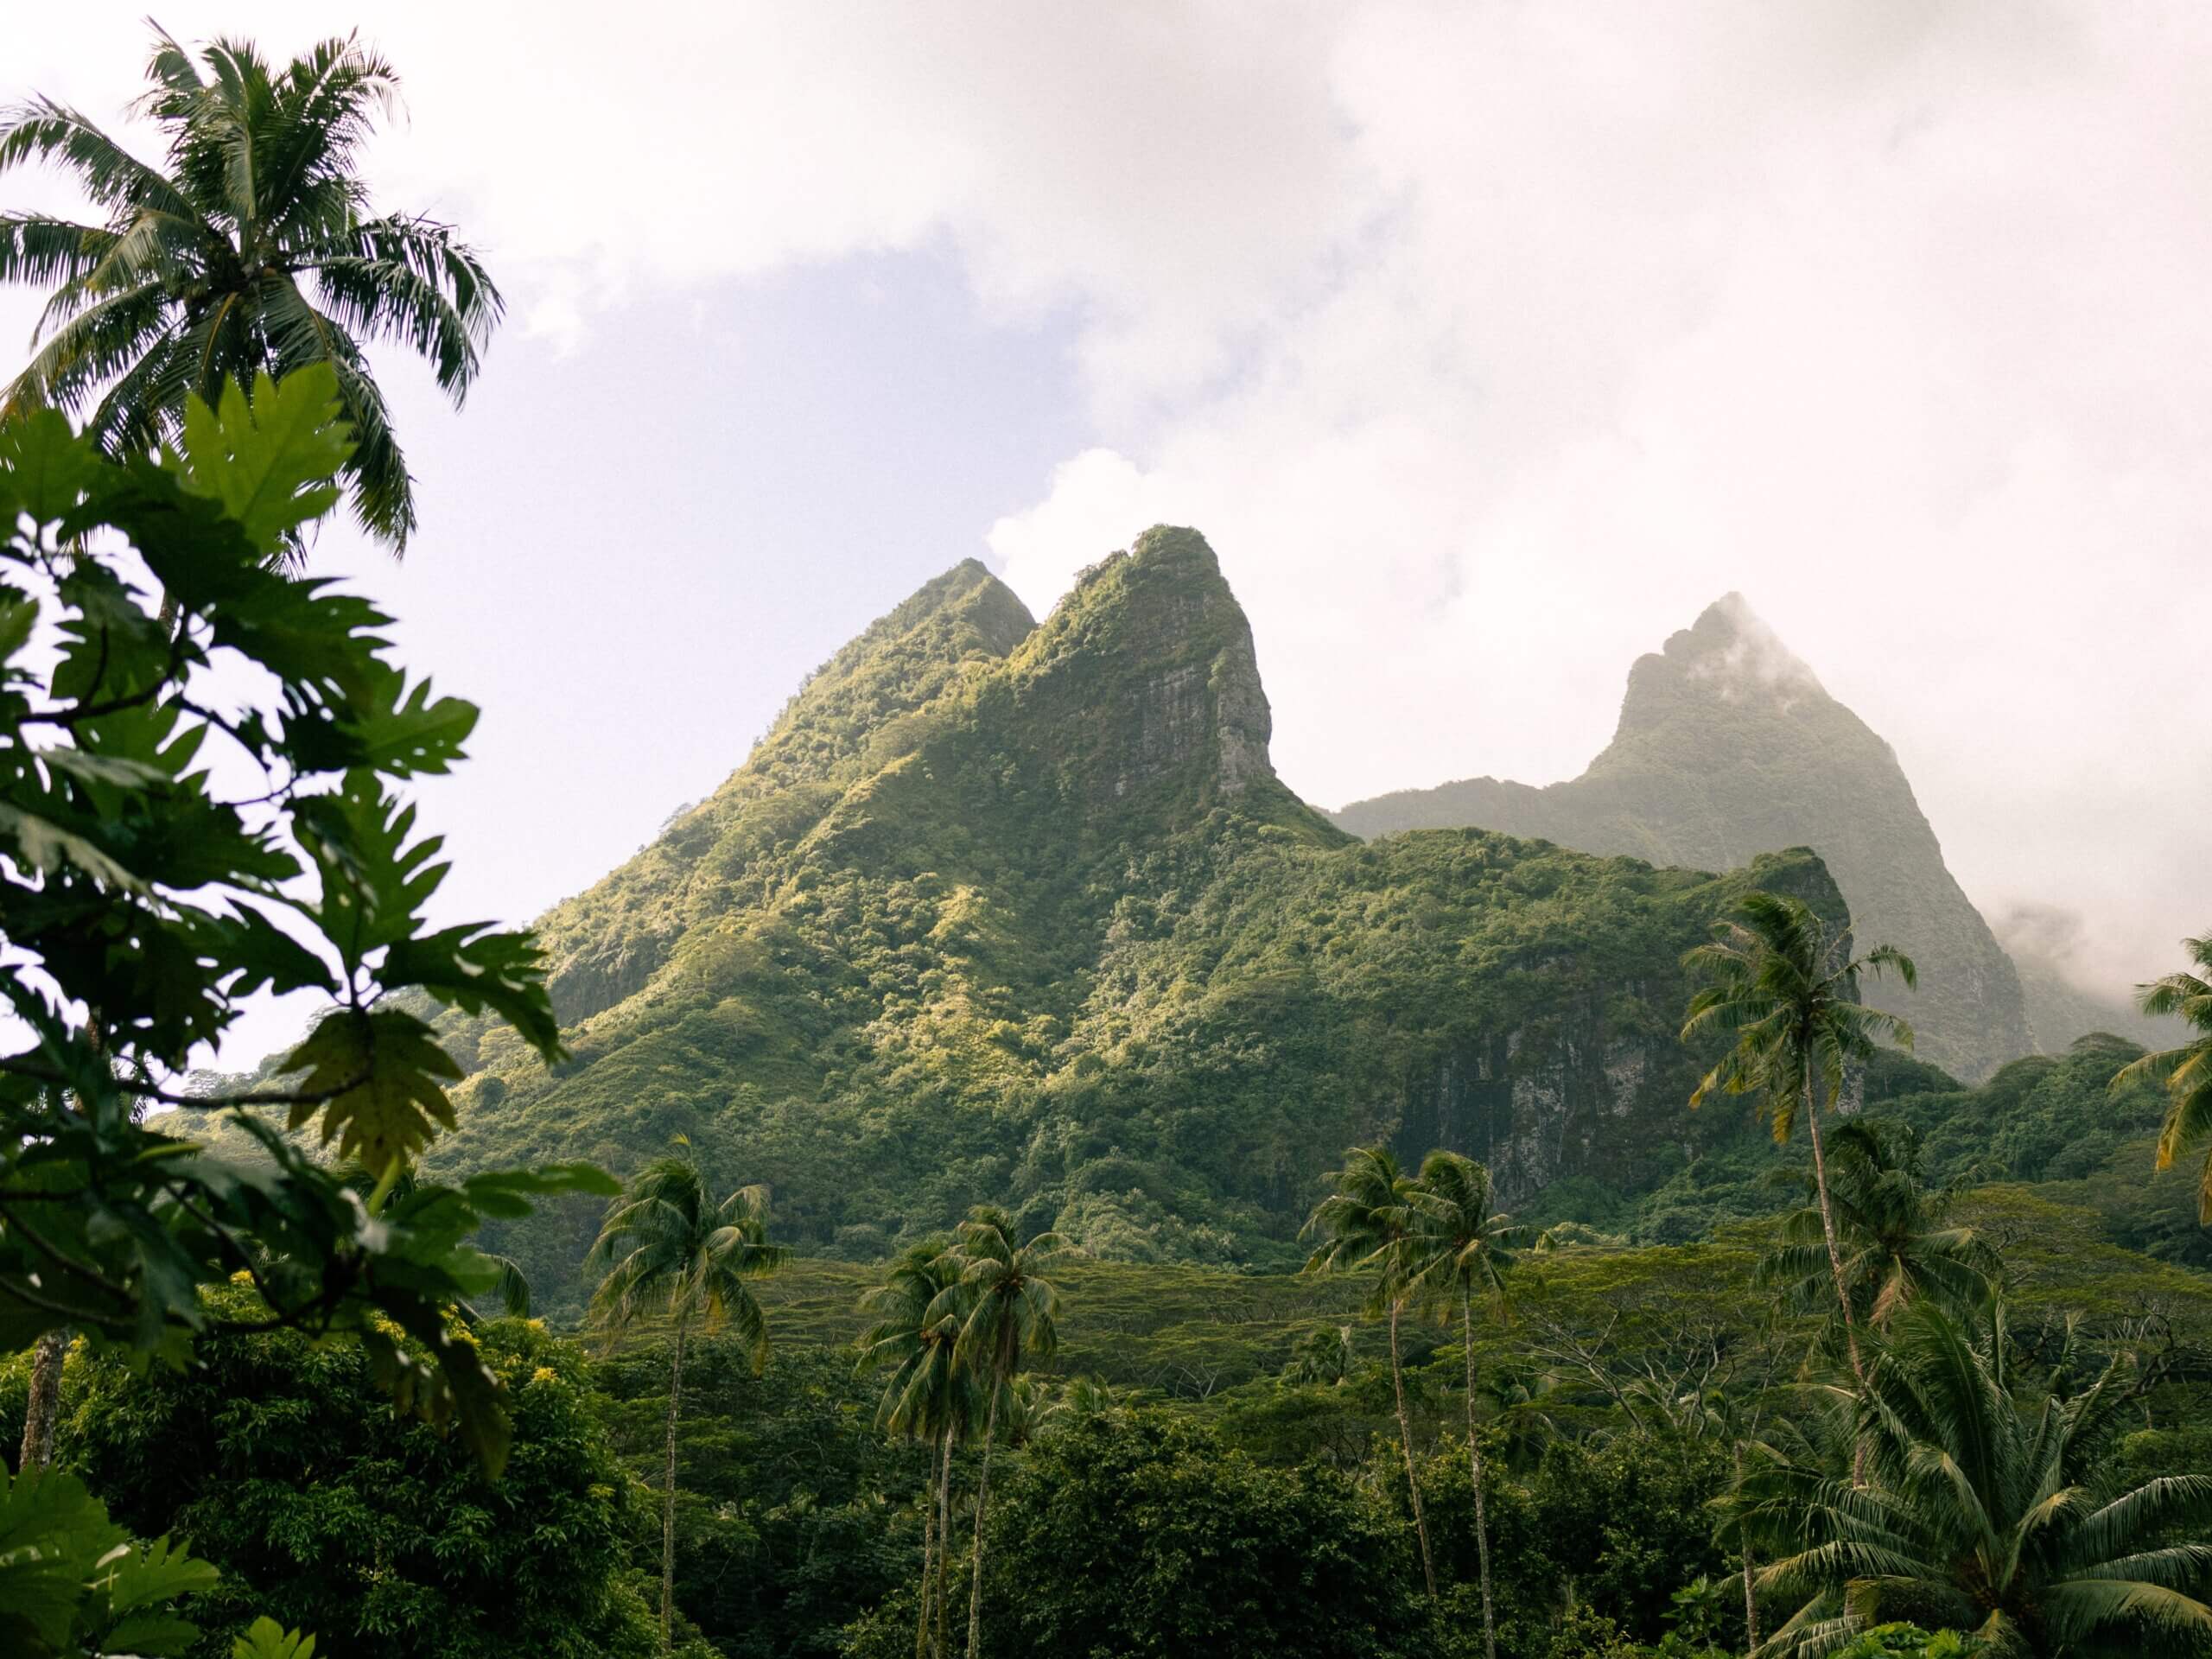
(1023, 915)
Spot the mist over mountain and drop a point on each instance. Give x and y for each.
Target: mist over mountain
(1020, 912)
(1728, 745)
(2045, 943)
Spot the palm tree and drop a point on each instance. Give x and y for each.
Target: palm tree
(2186, 1071)
(1898, 1243)
(1011, 1315)
(1785, 988)
(929, 1396)
(1321, 1357)
(671, 1252)
(1460, 1249)
(1987, 1512)
(1366, 1222)
(253, 248)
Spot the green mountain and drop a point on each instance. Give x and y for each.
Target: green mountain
(1728, 745)
(1022, 913)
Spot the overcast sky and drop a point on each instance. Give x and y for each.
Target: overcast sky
(1487, 343)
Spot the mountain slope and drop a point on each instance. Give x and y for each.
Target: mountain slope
(1727, 747)
(1024, 915)
(606, 944)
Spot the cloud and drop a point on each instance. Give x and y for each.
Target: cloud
(1490, 344)
(1881, 315)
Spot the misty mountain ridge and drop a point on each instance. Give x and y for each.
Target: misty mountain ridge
(1728, 744)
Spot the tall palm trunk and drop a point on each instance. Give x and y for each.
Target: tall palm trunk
(668, 1489)
(45, 1403)
(1744, 1542)
(928, 1546)
(1475, 1468)
(1835, 1267)
(983, 1494)
(944, 1548)
(1405, 1442)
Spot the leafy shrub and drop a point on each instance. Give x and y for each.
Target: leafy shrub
(280, 1460)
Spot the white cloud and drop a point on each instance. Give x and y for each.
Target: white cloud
(1488, 344)
(1885, 315)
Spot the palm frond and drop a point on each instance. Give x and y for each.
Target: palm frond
(43, 130)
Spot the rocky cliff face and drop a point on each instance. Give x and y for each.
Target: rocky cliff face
(1143, 687)
(1728, 745)
(1021, 913)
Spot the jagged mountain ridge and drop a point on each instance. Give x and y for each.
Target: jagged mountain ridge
(604, 945)
(1728, 745)
(1022, 913)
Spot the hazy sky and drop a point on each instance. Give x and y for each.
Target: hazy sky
(1487, 343)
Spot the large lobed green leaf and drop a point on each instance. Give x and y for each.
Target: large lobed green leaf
(142, 906)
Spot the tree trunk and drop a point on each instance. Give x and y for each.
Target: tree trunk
(1744, 1541)
(44, 1404)
(945, 1551)
(929, 1543)
(1475, 1468)
(1836, 1268)
(1406, 1441)
(983, 1494)
(668, 1492)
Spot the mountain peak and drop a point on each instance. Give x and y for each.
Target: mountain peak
(1732, 653)
(1728, 746)
(895, 664)
(1152, 657)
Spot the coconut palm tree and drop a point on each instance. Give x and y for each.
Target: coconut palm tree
(1322, 1356)
(253, 247)
(671, 1252)
(1011, 1315)
(1367, 1222)
(1899, 1243)
(1785, 989)
(1458, 1251)
(1078, 1400)
(2186, 1071)
(929, 1395)
(1987, 1511)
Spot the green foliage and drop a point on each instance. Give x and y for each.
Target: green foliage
(1783, 989)
(1986, 1508)
(671, 1249)
(266, 1639)
(1145, 1536)
(793, 1513)
(73, 1582)
(1585, 1633)
(278, 1457)
(2051, 1120)
(211, 271)
(2185, 1070)
(796, 1511)
(1897, 1241)
(1902, 1641)
(139, 894)
(1695, 1616)
(1623, 1520)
